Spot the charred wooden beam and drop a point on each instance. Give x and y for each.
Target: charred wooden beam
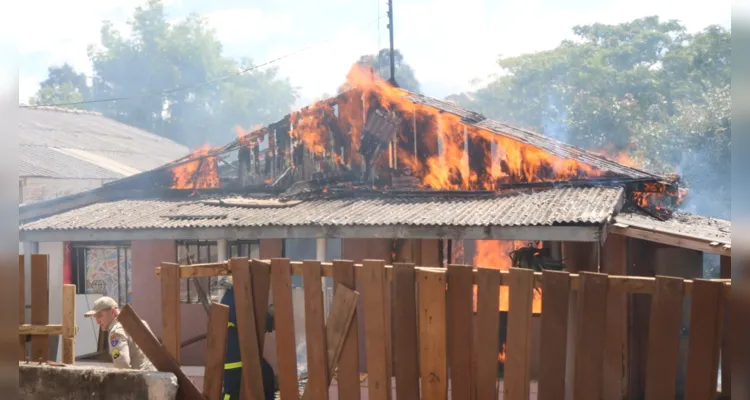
(379, 131)
(480, 161)
(244, 162)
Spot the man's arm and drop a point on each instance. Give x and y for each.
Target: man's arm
(118, 345)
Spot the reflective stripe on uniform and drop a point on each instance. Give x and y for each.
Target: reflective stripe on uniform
(230, 324)
(227, 397)
(233, 365)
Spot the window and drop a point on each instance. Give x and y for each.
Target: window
(202, 251)
(196, 252)
(103, 269)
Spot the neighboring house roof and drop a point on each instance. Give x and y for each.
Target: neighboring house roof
(468, 215)
(73, 144)
(706, 234)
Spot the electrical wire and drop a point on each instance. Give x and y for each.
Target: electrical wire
(206, 82)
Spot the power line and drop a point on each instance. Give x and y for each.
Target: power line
(203, 83)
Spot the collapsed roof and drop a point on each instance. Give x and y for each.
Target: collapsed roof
(374, 140)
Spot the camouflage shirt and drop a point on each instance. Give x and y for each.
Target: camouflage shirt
(125, 353)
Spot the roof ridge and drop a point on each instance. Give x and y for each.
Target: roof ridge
(61, 109)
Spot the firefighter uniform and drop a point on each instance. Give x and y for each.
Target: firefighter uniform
(125, 353)
(233, 362)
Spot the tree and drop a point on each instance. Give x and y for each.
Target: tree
(381, 64)
(63, 86)
(161, 56)
(646, 87)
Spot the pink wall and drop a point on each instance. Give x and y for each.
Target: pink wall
(147, 296)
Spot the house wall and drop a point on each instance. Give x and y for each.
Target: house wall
(35, 189)
(147, 255)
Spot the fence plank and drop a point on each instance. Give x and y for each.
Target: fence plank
(488, 329)
(39, 305)
(461, 332)
(261, 275)
(517, 378)
(315, 332)
(706, 318)
(378, 379)
(69, 324)
(339, 320)
(252, 377)
(590, 339)
(22, 351)
(664, 338)
(347, 376)
(554, 332)
(215, 354)
(170, 308)
(286, 355)
(405, 344)
(433, 362)
(725, 269)
(157, 354)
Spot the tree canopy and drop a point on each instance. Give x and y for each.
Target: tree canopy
(381, 65)
(159, 56)
(647, 89)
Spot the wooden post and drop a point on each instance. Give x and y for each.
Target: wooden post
(69, 324)
(39, 305)
(252, 382)
(517, 381)
(433, 344)
(286, 354)
(615, 262)
(216, 347)
(726, 370)
(170, 308)
(21, 307)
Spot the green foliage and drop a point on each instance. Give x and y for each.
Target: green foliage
(381, 64)
(646, 88)
(161, 55)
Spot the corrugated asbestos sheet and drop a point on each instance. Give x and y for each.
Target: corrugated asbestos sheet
(682, 224)
(576, 206)
(546, 143)
(103, 145)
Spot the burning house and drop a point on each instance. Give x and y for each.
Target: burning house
(388, 174)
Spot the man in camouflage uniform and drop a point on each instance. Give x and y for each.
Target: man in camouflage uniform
(125, 353)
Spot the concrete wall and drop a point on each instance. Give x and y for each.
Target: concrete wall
(147, 255)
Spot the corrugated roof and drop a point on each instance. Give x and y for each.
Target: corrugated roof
(681, 224)
(546, 143)
(561, 206)
(89, 145)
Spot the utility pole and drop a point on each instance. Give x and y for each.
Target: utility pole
(392, 55)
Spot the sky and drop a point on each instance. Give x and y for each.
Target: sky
(451, 45)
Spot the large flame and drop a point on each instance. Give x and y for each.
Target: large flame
(495, 254)
(199, 174)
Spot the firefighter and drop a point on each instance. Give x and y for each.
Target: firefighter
(233, 363)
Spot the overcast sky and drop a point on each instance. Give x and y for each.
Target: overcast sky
(449, 43)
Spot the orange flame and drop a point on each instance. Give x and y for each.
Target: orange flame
(188, 175)
(501, 355)
(495, 254)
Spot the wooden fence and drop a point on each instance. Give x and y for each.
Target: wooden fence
(424, 333)
(40, 329)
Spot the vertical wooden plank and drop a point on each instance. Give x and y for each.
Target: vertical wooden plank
(216, 347)
(488, 329)
(315, 331)
(373, 280)
(286, 354)
(517, 382)
(461, 324)
(725, 267)
(348, 365)
(252, 377)
(39, 305)
(170, 308)
(554, 335)
(664, 338)
(590, 335)
(405, 344)
(614, 262)
(337, 326)
(706, 320)
(22, 353)
(69, 324)
(261, 275)
(433, 361)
